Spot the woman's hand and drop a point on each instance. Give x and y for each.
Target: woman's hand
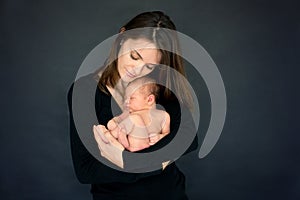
(109, 147)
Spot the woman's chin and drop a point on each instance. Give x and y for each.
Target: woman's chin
(127, 79)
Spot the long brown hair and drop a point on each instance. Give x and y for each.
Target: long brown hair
(163, 40)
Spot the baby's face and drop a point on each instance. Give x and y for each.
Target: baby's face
(136, 101)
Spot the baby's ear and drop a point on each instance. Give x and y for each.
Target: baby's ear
(151, 99)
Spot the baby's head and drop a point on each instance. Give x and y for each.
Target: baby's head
(141, 94)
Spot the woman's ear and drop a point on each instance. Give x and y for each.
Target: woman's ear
(122, 29)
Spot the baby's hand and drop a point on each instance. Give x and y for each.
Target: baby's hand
(153, 138)
(111, 125)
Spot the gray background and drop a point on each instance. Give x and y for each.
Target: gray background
(252, 42)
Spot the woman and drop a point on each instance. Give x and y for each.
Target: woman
(134, 54)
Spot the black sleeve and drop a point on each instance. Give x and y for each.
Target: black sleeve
(191, 130)
(87, 168)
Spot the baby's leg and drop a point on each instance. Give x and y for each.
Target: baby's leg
(136, 144)
(114, 132)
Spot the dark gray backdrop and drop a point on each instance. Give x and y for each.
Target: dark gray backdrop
(252, 42)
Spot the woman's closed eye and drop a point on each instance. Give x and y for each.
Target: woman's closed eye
(134, 55)
(150, 67)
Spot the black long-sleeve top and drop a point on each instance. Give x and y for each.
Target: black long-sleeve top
(89, 106)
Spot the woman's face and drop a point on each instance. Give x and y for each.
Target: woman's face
(137, 58)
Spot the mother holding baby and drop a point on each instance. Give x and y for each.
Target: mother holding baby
(142, 48)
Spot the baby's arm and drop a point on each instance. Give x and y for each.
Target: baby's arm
(164, 131)
(166, 126)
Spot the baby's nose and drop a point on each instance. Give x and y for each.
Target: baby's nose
(126, 103)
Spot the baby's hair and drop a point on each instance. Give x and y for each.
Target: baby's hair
(146, 84)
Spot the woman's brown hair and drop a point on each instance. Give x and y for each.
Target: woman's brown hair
(164, 40)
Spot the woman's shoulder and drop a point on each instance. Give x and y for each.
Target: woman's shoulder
(86, 85)
(86, 80)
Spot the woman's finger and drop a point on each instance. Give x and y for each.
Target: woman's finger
(109, 147)
(113, 141)
(112, 152)
(99, 133)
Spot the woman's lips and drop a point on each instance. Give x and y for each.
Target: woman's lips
(131, 75)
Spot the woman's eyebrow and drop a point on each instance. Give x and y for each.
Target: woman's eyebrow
(139, 55)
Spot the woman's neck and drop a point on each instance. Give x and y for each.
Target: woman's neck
(118, 92)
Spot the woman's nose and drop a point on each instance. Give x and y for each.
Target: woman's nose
(138, 69)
